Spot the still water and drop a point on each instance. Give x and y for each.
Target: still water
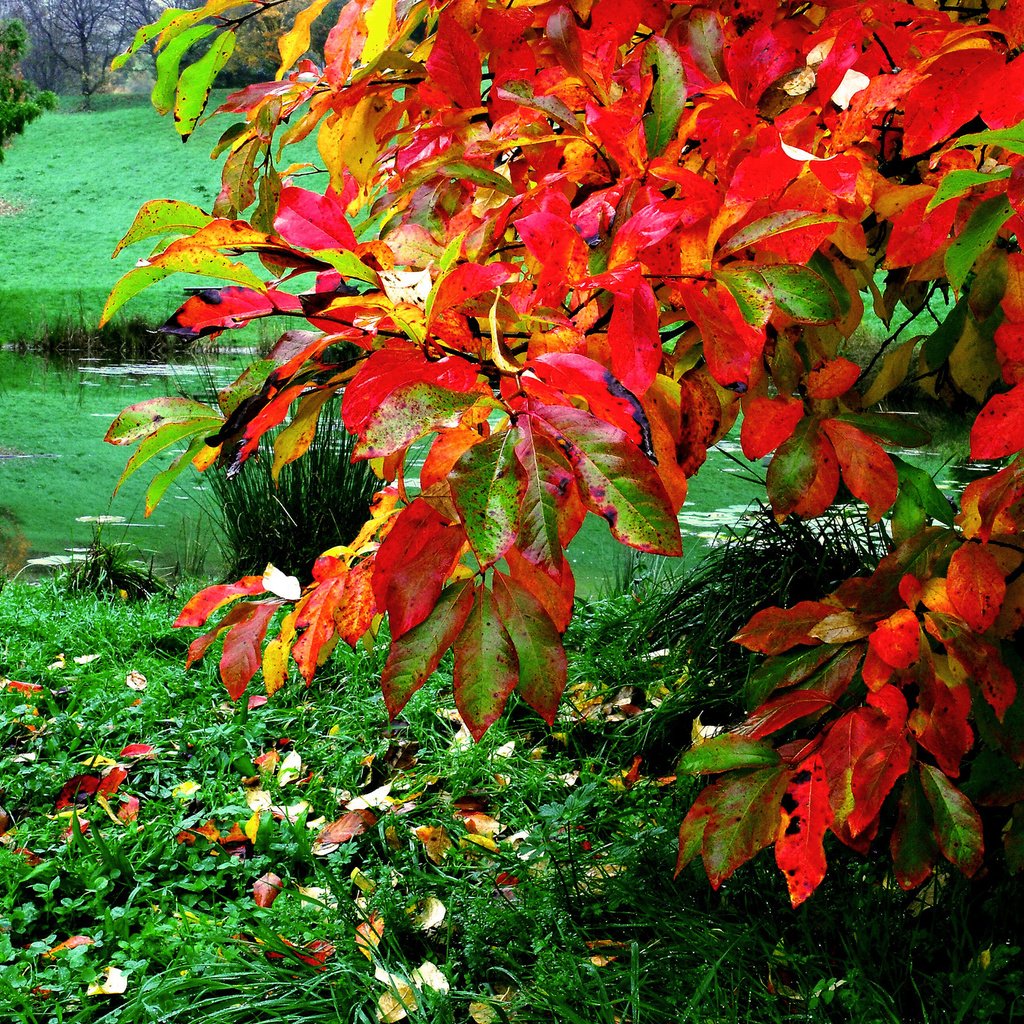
(57, 476)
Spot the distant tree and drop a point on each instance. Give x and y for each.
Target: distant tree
(74, 41)
(20, 102)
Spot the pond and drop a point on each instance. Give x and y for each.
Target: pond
(57, 476)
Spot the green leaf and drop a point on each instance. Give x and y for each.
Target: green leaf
(163, 217)
(196, 81)
(822, 266)
(801, 294)
(784, 670)
(144, 35)
(918, 501)
(542, 662)
(889, 428)
(182, 261)
(616, 481)
(913, 841)
(409, 412)
(169, 434)
(978, 234)
(750, 290)
(159, 484)
(744, 819)
(1007, 138)
(146, 418)
(486, 665)
(957, 823)
(725, 752)
(415, 655)
(957, 183)
(538, 527)
(668, 94)
(168, 65)
(348, 264)
(772, 225)
(942, 341)
(487, 493)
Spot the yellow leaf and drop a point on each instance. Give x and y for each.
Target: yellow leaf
(380, 27)
(295, 42)
(97, 761)
(107, 809)
(893, 373)
(112, 983)
(368, 935)
(483, 841)
(429, 975)
(252, 826)
(347, 141)
(972, 363)
(87, 659)
(259, 800)
(186, 790)
(361, 881)
(429, 914)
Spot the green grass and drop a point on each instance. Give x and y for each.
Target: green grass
(572, 915)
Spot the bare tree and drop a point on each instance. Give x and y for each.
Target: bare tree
(74, 41)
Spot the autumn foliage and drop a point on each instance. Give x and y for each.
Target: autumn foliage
(557, 250)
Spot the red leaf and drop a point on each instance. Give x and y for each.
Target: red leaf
(782, 710)
(976, 586)
(560, 253)
(731, 345)
(348, 826)
(313, 221)
(76, 791)
(315, 614)
(199, 609)
(940, 720)
(803, 477)
(138, 750)
(412, 564)
(767, 423)
(553, 586)
(240, 659)
(867, 470)
(774, 630)
(979, 660)
(454, 63)
(998, 429)
(864, 753)
(806, 814)
(832, 379)
(388, 369)
(216, 309)
(897, 639)
(607, 397)
(266, 889)
(467, 281)
(633, 336)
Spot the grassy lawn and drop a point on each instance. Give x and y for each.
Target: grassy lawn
(524, 878)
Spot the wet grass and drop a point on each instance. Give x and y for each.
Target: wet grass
(554, 901)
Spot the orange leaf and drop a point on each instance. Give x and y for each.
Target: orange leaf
(975, 586)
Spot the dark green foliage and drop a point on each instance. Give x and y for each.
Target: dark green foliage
(318, 502)
(20, 102)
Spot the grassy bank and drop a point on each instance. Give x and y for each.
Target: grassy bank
(531, 873)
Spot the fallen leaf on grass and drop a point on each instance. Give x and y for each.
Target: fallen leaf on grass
(315, 953)
(258, 799)
(184, 791)
(435, 840)
(58, 664)
(113, 982)
(136, 680)
(484, 842)
(73, 942)
(266, 889)
(375, 798)
(291, 768)
(368, 935)
(14, 685)
(347, 827)
(138, 751)
(129, 809)
(88, 659)
(267, 762)
(428, 914)
(362, 882)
